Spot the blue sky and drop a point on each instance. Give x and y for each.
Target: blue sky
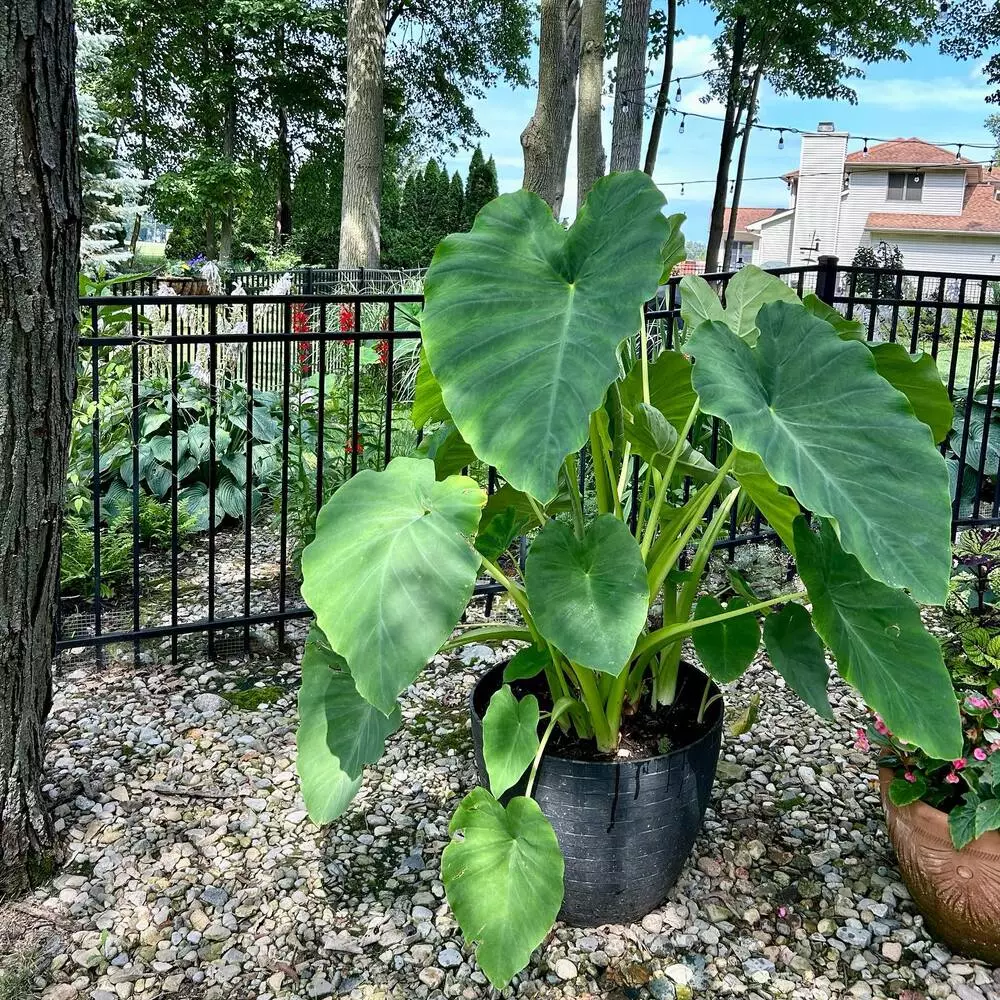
(932, 96)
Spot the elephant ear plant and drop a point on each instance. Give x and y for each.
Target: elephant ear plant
(536, 354)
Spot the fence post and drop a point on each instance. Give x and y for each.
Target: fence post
(826, 278)
(361, 279)
(309, 281)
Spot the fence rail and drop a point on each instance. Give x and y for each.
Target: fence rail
(209, 431)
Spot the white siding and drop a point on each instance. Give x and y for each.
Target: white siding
(956, 253)
(943, 194)
(817, 205)
(775, 242)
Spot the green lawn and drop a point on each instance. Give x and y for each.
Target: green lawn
(149, 256)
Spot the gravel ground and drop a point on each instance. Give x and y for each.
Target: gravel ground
(192, 870)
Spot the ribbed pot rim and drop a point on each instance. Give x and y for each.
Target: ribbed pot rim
(708, 734)
(931, 820)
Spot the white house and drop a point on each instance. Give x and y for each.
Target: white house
(941, 210)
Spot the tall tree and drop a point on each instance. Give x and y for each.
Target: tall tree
(589, 142)
(481, 185)
(39, 255)
(630, 85)
(364, 136)
(545, 139)
(970, 29)
(663, 93)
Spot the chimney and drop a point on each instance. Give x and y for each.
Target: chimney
(818, 198)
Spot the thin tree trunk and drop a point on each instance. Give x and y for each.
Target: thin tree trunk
(741, 166)
(663, 94)
(229, 152)
(630, 84)
(364, 136)
(39, 260)
(283, 207)
(545, 139)
(589, 143)
(726, 145)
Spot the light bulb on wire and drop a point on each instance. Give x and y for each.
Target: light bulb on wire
(781, 138)
(680, 131)
(677, 96)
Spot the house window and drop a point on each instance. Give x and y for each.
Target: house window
(905, 186)
(740, 255)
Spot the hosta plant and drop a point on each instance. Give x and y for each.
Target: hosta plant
(537, 358)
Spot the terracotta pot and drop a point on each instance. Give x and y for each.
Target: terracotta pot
(184, 284)
(958, 892)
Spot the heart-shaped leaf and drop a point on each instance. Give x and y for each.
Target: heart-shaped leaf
(987, 816)
(747, 292)
(446, 449)
(527, 662)
(339, 732)
(653, 439)
(917, 377)
(670, 389)
(496, 534)
(510, 738)
(903, 792)
(962, 821)
(428, 406)
(503, 879)
(674, 249)
(523, 319)
(728, 647)
(880, 644)
(796, 652)
(391, 570)
(849, 329)
(588, 596)
(829, 427)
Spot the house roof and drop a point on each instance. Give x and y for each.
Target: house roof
(980, 214)
(910, 152)
(747, 217)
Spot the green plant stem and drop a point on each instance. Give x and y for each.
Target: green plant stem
(487, 634)
(661, 491)
(517, 595)
(705, 701)
(658, 639)
(539, 513)
(601, 487)
(595, 706)
(644, 354)
(623, 475)
(574, 495)
(616, 701)
(703, 553)
(560, 707)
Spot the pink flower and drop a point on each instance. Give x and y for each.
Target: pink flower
(979, 753)
(978, 701)
(881, 727)
(994, 747)
(782, 912)
(910, 776)
(861, 741)
(996, 694)
(952, 778)
(959, 764)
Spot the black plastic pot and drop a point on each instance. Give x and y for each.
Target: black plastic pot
(626, 828)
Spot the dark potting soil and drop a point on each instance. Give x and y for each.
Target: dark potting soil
(646, 732)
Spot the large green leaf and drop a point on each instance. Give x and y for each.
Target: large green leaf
(510, 738)
(917, 377)
(779, 508)
(747, 292)
(588, 597)
(829, 427)
(728, 647)
(527, 662)
(849, 329)
(504, 880)
(674, 249)
(962, 821)
(339, 732)
(391, 570)
(797, 654)
(880, 644)
(523, 319)
(496, 534)
(428, 406)
(446, 449)
(670, 389)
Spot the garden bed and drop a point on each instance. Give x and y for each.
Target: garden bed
(192, 870)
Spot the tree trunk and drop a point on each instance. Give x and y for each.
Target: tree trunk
(663, 94)
(741, 166)
(545, 139)
(630, 86)
(39, 260)
(229, 153)
(283, 210)
(726, 145)
(589, 144)
(364, 136)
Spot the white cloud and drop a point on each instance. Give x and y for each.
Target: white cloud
(944, 93)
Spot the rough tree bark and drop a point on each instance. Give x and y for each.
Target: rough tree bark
(741, 165)
(545, 139)
(663, 94)
(283, 208)
(726, 144)
(630, 86)
(364, 136)
(39, 257)
(589, 143)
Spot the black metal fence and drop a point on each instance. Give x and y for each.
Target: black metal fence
(209, 431)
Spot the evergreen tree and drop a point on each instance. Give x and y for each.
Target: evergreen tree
(456, 205)
(480, 187)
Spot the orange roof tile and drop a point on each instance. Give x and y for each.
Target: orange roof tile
(980, 214)
(747, 216)
(912, 152)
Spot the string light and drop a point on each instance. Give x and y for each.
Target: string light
(682, 188)
(864, 152)
(781, 138)
(958, 155)
(732, 186)
(677, 96)
(680, 131)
